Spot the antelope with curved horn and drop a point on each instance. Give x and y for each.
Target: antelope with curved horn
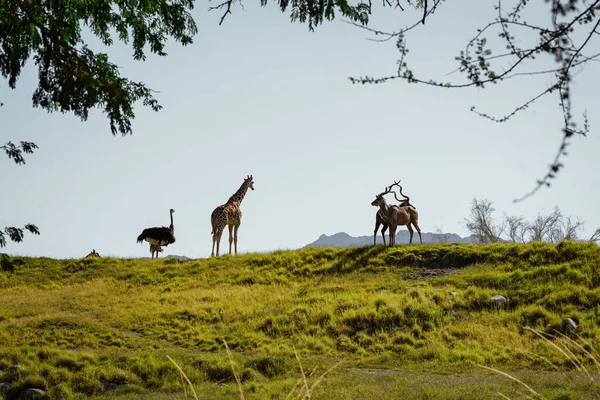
(406, 201)
(381, 220)
(394, 215)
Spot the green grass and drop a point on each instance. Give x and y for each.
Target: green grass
(408, 322)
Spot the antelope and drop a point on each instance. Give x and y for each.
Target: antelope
(381, 220)
(397, 215)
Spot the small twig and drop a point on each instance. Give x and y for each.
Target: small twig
(393, 34)
(591, 356)
(236, 376)
(186, 378)
(325, 373)
(553, 345)
(510, 377)
(302, 372)
(516, 110)
(227, 3)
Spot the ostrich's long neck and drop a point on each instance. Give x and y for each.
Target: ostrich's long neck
(238, 196)
(172, 226)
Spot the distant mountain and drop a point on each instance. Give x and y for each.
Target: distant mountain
(342, 239)
(180, 258)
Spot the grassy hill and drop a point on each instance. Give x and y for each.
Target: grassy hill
(406, 322)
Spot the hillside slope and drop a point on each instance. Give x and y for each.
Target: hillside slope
(105, 326)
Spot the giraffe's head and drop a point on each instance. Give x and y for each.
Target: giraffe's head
(249, 182)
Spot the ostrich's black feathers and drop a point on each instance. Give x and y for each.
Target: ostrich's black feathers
(161, 236)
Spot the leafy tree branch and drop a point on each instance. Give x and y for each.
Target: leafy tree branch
(16, 234)
(16, 151)
(74, 78)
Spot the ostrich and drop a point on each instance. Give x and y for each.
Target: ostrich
(158, 236)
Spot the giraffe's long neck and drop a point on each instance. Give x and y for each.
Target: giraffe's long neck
(238, 196)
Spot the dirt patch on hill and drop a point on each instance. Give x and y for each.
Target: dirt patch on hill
(426, 273)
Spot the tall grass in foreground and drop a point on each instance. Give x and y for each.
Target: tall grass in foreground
(305, 391)
(573, 351)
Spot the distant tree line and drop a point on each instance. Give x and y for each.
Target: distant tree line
(551, 227)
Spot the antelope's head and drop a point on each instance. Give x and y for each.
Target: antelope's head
(379, 200)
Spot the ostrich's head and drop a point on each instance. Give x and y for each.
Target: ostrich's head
(171, 211)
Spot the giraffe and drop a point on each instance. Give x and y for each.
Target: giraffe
(229, 214)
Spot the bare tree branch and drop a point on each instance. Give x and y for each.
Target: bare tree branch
(391, 35)
(567, 229)
(475, 62)
(543, 226)
(595, 236)
(224, 4)
(481, 222)
(517, 229)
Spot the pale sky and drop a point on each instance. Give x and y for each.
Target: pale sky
(259, 95)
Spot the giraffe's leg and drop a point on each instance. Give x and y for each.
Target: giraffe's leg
(235, 230)
(214, 240)
(385, 226)
(377, 223)
(410, 230)
(221, 235)
(219, 239)
(230, 237)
